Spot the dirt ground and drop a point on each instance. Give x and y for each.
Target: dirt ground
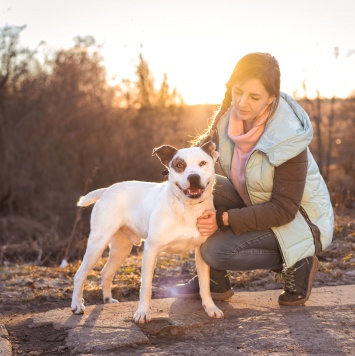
(28, 290)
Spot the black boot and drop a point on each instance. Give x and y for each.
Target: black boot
(219, 285)
(299, 281)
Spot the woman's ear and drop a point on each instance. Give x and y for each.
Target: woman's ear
(271, 99)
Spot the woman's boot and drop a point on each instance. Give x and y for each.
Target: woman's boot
(299, 281)
(219, 285)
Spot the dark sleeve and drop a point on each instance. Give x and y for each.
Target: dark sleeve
(288, 188)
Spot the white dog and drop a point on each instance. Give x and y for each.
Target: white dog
(162, 214)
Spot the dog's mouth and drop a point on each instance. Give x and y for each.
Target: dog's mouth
(192, 192)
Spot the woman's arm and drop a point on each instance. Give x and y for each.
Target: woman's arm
(288, 188)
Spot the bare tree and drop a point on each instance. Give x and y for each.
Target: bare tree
(17, 68)
(145, 85)
(330, 129)
(314, 109)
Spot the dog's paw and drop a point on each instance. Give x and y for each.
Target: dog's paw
(78, 307)
(141, 316)
(214, 312)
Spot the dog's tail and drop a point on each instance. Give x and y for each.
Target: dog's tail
(91, 197)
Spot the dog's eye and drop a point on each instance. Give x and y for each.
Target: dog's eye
(203, 163)
(180, 165)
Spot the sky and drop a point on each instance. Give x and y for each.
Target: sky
(198, 42)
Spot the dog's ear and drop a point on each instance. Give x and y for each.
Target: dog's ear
(165, 153)
(210, 148)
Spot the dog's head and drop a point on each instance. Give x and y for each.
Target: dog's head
(191, 170)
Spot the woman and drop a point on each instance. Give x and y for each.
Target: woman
(273, 207)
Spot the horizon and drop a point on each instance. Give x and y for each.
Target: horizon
(192, 42)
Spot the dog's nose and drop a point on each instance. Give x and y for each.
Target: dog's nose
(194, 179)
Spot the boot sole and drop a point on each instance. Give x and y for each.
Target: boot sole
(312, 276)
(215, 296)
(222, 296)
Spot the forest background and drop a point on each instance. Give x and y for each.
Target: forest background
(65, 131)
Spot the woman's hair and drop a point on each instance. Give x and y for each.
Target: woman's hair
(261, 66)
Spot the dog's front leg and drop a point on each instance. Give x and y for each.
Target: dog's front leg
(203, 272)
(142, 315)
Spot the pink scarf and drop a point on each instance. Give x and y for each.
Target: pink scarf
(244, 144)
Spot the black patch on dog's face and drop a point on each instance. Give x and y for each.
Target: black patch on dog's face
(178, 165)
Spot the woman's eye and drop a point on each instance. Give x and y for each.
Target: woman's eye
(203, 163)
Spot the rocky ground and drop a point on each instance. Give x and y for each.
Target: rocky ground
(26, 290)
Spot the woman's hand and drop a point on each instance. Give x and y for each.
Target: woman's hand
(207, 223)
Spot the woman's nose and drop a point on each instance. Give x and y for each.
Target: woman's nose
(242, 100)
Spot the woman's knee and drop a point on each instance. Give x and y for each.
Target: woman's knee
(226, 195)
(253, 250)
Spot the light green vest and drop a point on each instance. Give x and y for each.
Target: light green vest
(287, 134)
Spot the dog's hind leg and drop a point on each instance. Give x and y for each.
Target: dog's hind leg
(96, 246)
(120, 247)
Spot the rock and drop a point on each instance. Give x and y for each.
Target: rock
(5, 345)
(350, 273)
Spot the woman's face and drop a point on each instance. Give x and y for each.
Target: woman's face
(250, 98)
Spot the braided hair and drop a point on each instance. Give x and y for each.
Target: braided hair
(261, 66)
